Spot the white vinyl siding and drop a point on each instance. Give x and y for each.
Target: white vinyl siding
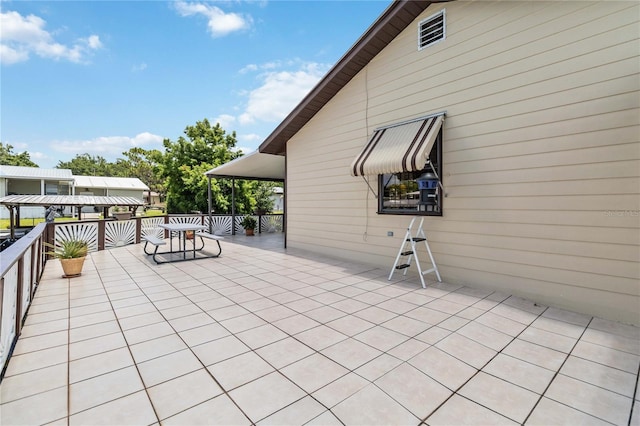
(541, 153)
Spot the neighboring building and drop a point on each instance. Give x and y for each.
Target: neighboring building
(531, 114)
(278, 199)
(152, 198)
(16, 180)
(19, 180)
(110, 186)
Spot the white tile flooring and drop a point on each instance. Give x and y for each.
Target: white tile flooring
(268, 336)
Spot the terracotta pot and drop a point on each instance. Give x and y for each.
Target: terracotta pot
(249, 232)
(72, 267)
(122, 215)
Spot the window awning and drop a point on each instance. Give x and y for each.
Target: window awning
(402, 147)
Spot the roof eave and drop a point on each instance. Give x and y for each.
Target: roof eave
(390, 23)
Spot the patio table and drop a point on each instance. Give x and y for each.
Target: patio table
(181, 229)
(183, 252)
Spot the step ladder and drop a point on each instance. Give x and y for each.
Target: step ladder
(408, 251)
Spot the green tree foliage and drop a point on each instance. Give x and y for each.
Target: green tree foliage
(186, 160)
(88, 165)
(10, 158)
(143, 164)
(263, 192)
(138, 162)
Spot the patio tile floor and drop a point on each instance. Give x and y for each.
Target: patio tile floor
(264, 335)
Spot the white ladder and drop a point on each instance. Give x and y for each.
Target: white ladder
(410, 253)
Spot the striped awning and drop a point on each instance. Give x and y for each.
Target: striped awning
(402, 147)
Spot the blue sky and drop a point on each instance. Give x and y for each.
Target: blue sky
(101, 77)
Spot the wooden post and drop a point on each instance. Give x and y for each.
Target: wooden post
(19, 295)
(138, 229)
(12, 216)
(101, 235)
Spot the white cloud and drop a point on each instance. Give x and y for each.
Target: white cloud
(93, 42)
(109, 146)
(262, 67)
(280, 92)
(219, 22)
(226, 121)
(251, 139)
(37, 155)
(139, 67)
(9, 55)
(22, 36)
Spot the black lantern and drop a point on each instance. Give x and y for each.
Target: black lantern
(428, 187)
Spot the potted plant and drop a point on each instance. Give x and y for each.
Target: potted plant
(249, 224)
(121, 213)
(72, 254)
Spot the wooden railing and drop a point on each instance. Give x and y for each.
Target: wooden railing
(106, 234)
(22, 263)
(21, 267)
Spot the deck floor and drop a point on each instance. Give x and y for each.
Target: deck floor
(264, 335)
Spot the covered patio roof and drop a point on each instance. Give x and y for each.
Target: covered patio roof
(14, 202)
(68, 200)
(254, 166)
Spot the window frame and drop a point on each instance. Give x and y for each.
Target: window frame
(436, 158)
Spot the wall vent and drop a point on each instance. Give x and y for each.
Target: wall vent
(431, 30)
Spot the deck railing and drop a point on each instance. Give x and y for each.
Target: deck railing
(21, 267)
(23, 262)
(106, 234)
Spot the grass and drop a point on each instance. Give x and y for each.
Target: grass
(4, 223)
(30, 222)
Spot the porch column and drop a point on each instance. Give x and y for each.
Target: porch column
(210, 204)
(233, 206)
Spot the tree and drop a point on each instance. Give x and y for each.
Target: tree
(87, 165)
(186, 160)
(9, 158)
(143, 164)
(263, 192)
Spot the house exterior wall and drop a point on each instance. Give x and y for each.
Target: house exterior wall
(24, 187)
(126, 193)
(541, 153)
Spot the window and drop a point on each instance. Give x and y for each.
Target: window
(51, 189)
(56, 188)
(407, 193)
(431, 30)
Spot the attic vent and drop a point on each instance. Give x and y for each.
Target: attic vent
(431, 30)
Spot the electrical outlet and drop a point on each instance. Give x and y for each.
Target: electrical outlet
(389, 233)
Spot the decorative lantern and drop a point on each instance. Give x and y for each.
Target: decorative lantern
(428, 187)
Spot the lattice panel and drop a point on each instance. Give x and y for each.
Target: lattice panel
(151, 227)
(240, 228)
(119, 233)
(186, 219)
(78, 231)
(220, 225)
(271, 223)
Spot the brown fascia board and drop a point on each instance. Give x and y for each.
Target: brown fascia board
(391, 23)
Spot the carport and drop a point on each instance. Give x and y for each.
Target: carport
(14, 202)
(253, 166)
